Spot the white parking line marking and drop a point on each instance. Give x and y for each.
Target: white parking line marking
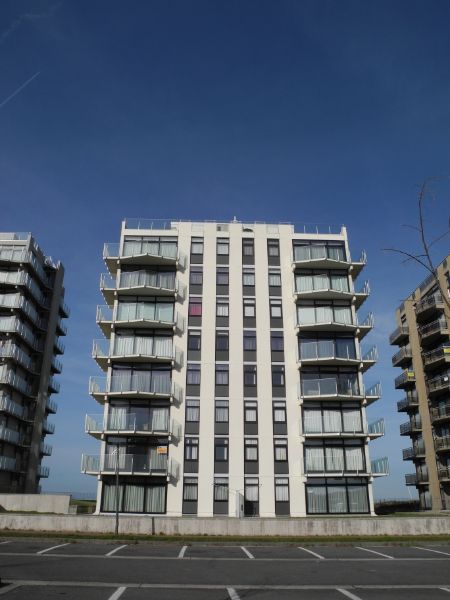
(311, 552)
(117, 593)
(116, 550)
(52, 548)
(249, 554)
(431, 550)
(182, 552)
(348, 594)
(375, 552)
(233, 594)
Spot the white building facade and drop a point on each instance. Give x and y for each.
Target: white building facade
(232, 373)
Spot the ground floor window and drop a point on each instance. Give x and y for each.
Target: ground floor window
(134, 498)
(331, 496)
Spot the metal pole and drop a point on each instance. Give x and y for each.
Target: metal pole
(117, 491)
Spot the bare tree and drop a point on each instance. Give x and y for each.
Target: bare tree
(424, 257)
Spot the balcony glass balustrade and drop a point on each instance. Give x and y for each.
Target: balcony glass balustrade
(10, 407)
(9, 377)
(406, 379)
(8, 464)
(438, 384)
(152, 383)
(155, 421)
(21, 278)
(20, 255)
(15, 325)
(154, 462)
(12, 351)
(330, 386)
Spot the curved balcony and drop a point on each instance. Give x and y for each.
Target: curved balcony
(442, 444)
(155, 463)
(403, 357)
(432, 332)
(157, 423)
(143, 253)
(140, 283)
(435, 358)
(410, 402)
(136, 349)
(142, 385)
(399, 335)
(405, 381)
(438, 385)
(415, 452)
(429, 307)
(440, 414)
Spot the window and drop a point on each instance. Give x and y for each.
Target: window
(194, 340)
(196, 276)
(350, 497)
(220, 489)
(195, 307)
(223, 246)
(191, 449)
(250, 341)
(279, 412)
(249, 375)
(248, 247)
(221, 340)
(276, 341)
(222, 308)
(248, 277)
(221, 450)
(221, 375)
(196, 245)
(193, 374)
(249, 307)
(280, 450)
(221, 411)
(190, 489)
(274, 278)
(273, 248)
(192, 411)
(250, 449)
(278, 376)
(250, 412)
(222, 276)
(276, 311)
(251, 489)
(281, 489)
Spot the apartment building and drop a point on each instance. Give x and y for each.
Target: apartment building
(32, 310)
(424, 356)
(232, 373)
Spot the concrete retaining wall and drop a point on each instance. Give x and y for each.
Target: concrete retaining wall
(429, 525)
(54, 503)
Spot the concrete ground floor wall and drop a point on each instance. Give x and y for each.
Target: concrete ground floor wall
(147, 525)
(48, 503)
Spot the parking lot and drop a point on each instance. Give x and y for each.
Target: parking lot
(48, 569)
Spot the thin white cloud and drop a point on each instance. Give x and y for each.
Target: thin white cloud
(24, 17)
(18, 90)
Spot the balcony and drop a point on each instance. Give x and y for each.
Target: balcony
(416, 451)
(20, 255)
(406, 380)
(444, 473)
(325, 352)
(442, 444)
(61, 327)
(53, 385)
(156, 423)
(410, 402)
(380, 466)
(331, 324)
(64, 309)
(155, 463)
(51, 406)
(10, 407)
(138, 316)
(416, 479)
(323, 257)
(403, 357)
(58, 346)
(143, 253)
(369, 358)
(15, 325)
(22, 279)
(436, 358)
(440, 414)
(136, 349)
(42, 471)
(9, 377)
(438, 385)
(15, 353)
(399, 335)
(143, 385)
(429, 307)
(362, 294)
(10, 436)
(45, 449)
(373, 393)
(414, 425)
(329, 388)
(8, 464)
(376, 429)
(433, 331)
(48, 427)
(56, 365)
(19, 302)
(140, 283)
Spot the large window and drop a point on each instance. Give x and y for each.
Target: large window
(324, 312)
(273, 248)
(250, 411)
(329, 381)
(195, 307)
(248, 247)
(134, 498)
(332, 418)
(194, 339)
(196, 276)
(334, 456)
(196, 245)
(331, 496)
(326, 346)
(192, 410)
(222, 375)
(279, 412)
(274, 278)
(249, 340)
(222, 276)
(276, 310)
(221, 340)
(308, 250)
(190, 489)
(251, 489)
(221, 411)
(191, 449)
(250, 449)
(281, 489)
(321, 280)
(249, 307)
(220, 489)
(222, 308)
(135, 308)
(193, 374)
(276, 341)
(277, 375)
(223, 246)
(280, 448)
(248, 277)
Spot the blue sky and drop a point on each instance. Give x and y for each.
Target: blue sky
(302, 111)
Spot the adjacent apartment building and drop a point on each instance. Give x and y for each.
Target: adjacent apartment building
(423, 336)
(32, 310)
(232, 373)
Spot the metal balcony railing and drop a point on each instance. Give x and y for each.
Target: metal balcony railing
(12, 408)
(442, 443)
(329, 387)
(440, 413)
(404, 354)
(410, 401)
(158, 423)
(443, 472)
(411, 426)
(407, 378)
(9, 377)
(322, 283)
(8, 464)
(414, 452)
(431, 302)
(51, 405)
(438, 326)
(439, 354)
(43, 471)
(398, 335)
(142, 383)
(416, 478)
(438, 384)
